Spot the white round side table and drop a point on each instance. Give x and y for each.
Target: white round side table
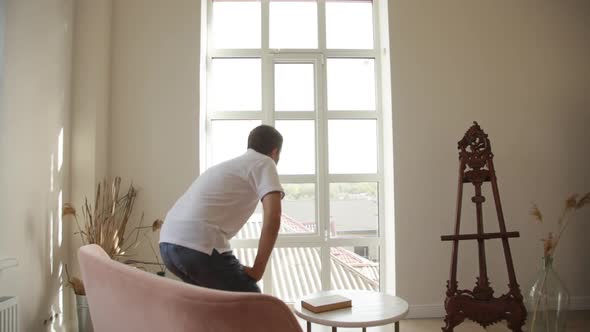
(368, 309)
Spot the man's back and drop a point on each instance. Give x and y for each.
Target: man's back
(219, 202)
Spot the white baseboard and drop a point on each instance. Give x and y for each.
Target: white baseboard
(438, 310)
(426, 311)
(580, 303)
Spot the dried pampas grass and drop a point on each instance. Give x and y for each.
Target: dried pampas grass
(572, 204)
(108, 223)
(536, 213)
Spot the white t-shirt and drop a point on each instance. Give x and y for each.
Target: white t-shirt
(219, 202)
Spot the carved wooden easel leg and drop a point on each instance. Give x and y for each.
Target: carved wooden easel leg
(518, 313)
(453, 317)
(516, 324)
(452, 320)
(517, 317)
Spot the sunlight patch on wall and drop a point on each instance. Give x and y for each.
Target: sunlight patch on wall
(60, 270)
(51, 169)
(60, 149)
(51, 242)
(61, 303)
(59, 220)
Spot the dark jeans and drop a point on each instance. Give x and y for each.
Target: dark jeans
(218, 271)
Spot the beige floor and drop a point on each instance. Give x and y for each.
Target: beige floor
(578, 321)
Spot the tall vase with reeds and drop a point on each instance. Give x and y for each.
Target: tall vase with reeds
(548, 298)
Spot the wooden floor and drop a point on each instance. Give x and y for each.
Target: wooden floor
(578, 321)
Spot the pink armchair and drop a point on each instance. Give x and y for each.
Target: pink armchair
(122, 298)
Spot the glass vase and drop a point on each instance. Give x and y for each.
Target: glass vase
(547, 301)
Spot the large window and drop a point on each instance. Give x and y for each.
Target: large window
(309, 68)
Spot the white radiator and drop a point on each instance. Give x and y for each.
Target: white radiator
(8, 314)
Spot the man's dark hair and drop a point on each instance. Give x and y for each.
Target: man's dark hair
(264, 139)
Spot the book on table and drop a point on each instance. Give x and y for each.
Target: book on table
(326, 303)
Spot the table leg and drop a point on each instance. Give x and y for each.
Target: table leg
(308, 326)
(334, 329)
(397, 326)
(364, 329)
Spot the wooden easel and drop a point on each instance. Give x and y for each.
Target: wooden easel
(479, 304)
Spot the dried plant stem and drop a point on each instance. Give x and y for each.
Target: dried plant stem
(137, 233)
(154, 252)
(564, 223)
(79, 231)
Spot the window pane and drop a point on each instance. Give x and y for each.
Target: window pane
(298, 152)
(351, 270)
(349, 24)
(354, 209)
(298, 209)
(351, 84)
(229, 139)
(293, 24)
(295, 272)
(236, 24)
(352, 146)
(298, 215)
(235, 85)
(294, 87)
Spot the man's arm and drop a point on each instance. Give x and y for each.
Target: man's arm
(271, 223)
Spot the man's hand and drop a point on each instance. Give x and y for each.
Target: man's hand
(253, 274)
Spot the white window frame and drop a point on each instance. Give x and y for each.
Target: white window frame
(321, 238)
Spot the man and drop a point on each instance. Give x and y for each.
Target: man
(194, 241)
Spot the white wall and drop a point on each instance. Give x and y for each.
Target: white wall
(91, 87)
(34, 110)
(155, 100)
(522, 70)
(2, 28)
(519, 68)
(90, 104)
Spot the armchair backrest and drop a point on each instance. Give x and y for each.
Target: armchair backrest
(123, 298)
